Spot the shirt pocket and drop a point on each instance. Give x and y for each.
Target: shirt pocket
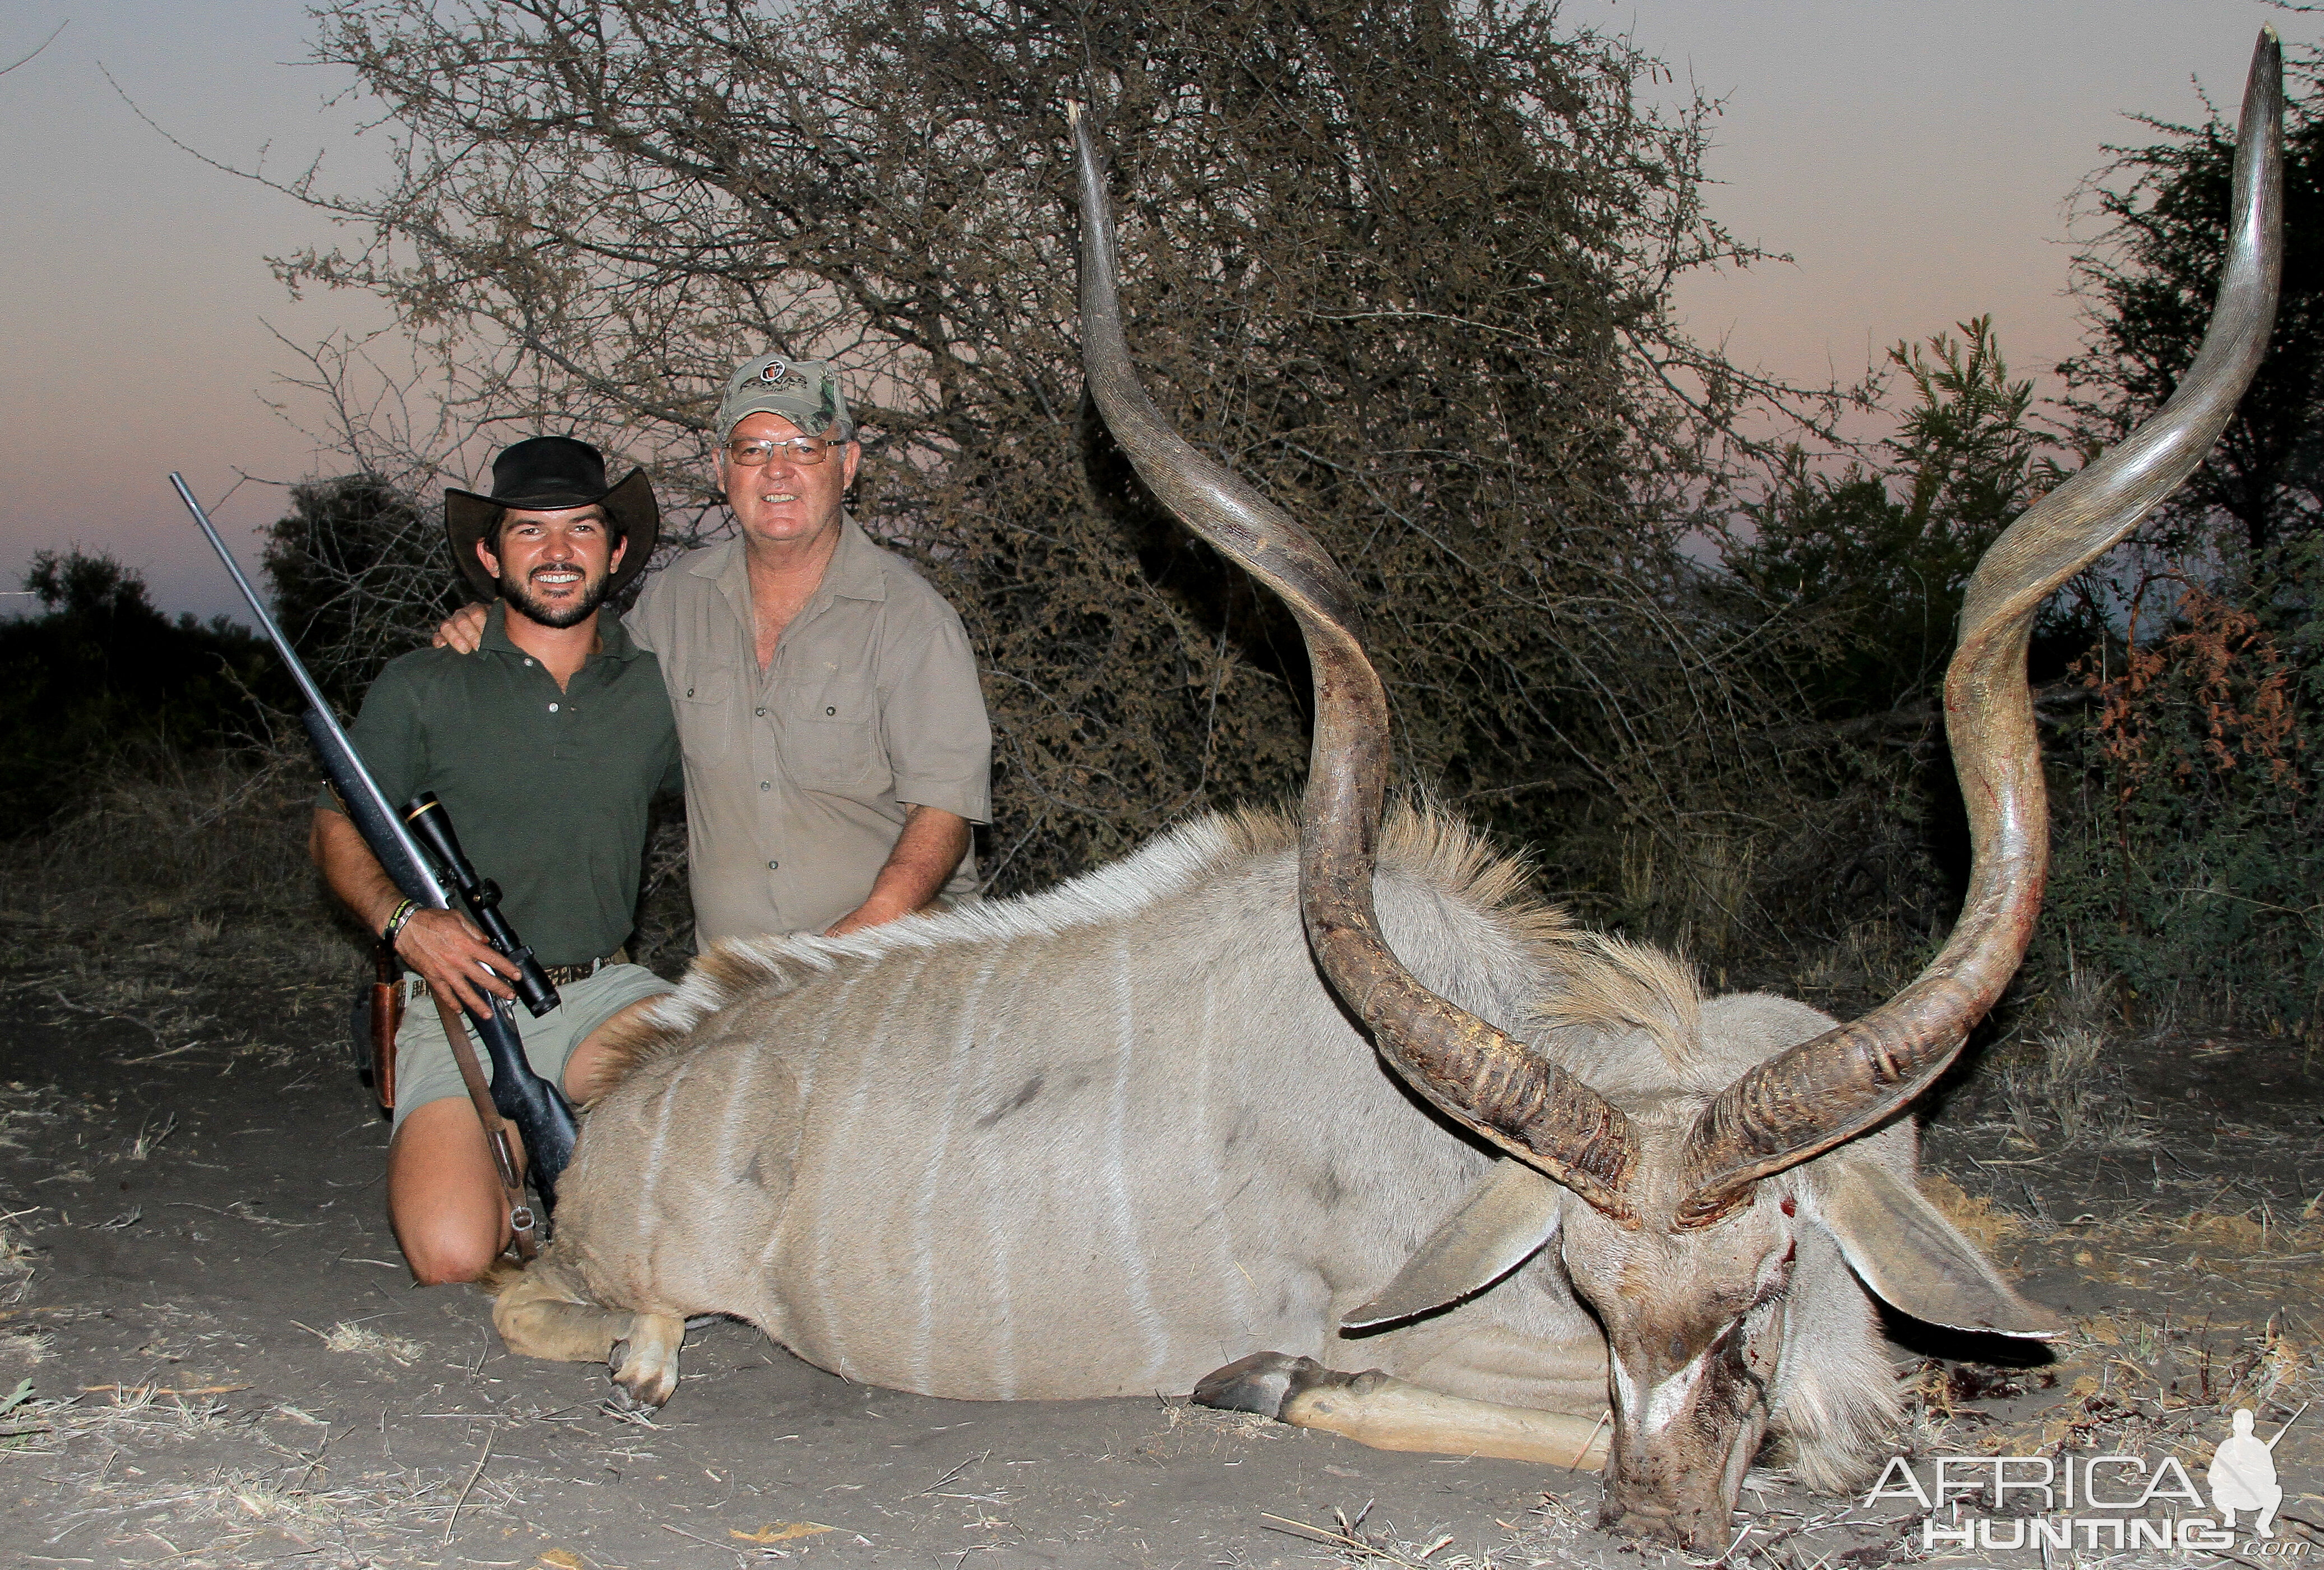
(833, 738)
(706, 719)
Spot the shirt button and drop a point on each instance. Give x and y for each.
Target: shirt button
(528, 664)
(552, 708)
(831, 711)
(766, 785)
(772, 865)
(689, 692)
(762, 713)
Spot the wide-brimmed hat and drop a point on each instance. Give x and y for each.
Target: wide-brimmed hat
(542, 475)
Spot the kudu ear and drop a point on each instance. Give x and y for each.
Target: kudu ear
(1914, 1258)
(1504, 1222)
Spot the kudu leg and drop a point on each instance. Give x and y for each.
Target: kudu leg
(537, 1318)
(1389, 1414)
(644, 1362)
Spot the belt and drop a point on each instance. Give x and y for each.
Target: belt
(416, 986)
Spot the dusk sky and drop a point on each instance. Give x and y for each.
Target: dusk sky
(1914, 160)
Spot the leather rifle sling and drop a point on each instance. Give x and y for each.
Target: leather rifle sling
(496, 1127)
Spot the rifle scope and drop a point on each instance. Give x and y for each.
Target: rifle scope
(432, 826)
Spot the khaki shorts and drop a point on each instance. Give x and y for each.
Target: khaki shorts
(424, 1069)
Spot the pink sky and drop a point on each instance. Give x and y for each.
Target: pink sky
(1915, 160)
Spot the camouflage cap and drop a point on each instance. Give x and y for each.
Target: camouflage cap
(803, 391)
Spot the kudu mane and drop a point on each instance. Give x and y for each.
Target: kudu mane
(1595, 983)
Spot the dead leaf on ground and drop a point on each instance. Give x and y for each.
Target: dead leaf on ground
(781, 1532)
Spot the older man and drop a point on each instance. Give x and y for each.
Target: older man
(545, 749)
(835, 741)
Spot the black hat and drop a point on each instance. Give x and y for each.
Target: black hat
(542, 474)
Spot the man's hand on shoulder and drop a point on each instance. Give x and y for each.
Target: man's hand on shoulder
(463, 632)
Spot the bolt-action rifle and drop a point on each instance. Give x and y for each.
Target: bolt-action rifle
(430, 869)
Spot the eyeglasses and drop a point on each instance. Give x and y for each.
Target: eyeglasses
(799, 449)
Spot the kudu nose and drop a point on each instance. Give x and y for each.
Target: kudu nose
(1691, 1524)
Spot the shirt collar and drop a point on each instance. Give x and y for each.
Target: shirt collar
(853, 573)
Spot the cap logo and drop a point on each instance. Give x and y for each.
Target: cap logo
(777, 374)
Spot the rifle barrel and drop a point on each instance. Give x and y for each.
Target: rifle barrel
(381, 826)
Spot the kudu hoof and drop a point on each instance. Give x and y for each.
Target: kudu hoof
(1266, 1382)
(644, 1362)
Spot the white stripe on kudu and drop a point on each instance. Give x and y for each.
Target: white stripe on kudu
(999, 1187)
(650, 1182)
(872, 1067)
(960, 1066)
(1140, 1290)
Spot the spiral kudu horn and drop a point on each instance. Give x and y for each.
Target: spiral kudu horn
(1537, 1112)
(1839, 1084)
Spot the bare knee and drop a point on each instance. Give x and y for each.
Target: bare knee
(444, 1197)
(441, 1256)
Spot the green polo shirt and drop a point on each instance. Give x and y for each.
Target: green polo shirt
(547, 789)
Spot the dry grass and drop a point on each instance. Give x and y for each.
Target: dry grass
(1982, 1221)
(137, 1417)
(26, 1346)
(1873, 960)
(2059, 1086)
(218, 1487)
(2130, 1384)
(22, 1107)
(275, 1504)
(157, 904)
(198, 866)
(362, 1341)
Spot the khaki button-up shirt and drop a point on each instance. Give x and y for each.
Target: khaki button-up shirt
(799, 778)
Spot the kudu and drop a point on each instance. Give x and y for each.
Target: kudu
(1104, 1140)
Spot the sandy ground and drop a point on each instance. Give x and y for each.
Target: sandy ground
(210, 1354)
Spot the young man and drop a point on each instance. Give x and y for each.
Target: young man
(545, 749)
(836, 740)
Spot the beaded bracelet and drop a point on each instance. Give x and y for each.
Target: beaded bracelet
(403, 912)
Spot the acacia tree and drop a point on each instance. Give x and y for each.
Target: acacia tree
(1404, 265)
(100, 675)
(1853, 576)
